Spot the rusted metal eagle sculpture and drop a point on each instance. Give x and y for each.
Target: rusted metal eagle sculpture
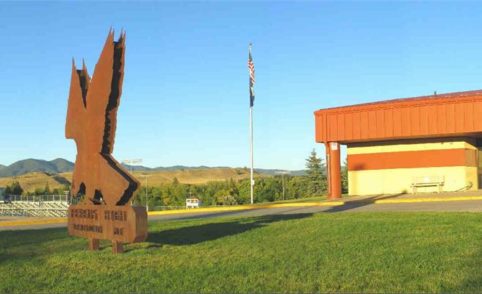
(91, 122)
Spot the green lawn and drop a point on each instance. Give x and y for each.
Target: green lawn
(345, 252)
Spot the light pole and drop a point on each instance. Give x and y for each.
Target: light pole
(147, 202)
(283, 173)
(130, 163)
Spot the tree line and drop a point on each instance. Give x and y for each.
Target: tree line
(229, 192)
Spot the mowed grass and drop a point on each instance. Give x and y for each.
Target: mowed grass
(346, 252)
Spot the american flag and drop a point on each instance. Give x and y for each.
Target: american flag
(252, 79)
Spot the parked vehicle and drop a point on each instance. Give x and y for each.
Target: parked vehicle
(193, 203)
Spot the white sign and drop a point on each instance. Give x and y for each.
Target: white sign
(334, 146)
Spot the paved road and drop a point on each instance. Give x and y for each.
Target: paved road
(454, 206)
(352, 206)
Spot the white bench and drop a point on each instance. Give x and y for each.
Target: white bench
(427, 181)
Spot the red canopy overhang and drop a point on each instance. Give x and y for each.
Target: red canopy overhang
(443, 115)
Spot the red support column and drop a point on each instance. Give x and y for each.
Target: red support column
(333, 170)
(327, 154)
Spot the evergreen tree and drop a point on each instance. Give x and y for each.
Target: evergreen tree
(14, 189)
(47, 189)
(316, 179)
(344, 177)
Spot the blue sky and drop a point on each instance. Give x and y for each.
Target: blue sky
(185, 98)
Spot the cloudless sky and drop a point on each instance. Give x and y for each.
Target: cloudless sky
(185, 97)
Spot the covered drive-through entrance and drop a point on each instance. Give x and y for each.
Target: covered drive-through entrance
(422, 144)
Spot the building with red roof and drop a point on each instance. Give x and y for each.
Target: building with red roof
(428, 143)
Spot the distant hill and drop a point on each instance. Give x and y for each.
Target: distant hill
(186, 176)
(63, 165)
(271, 172)
(60, 165)
(35, 173)
(22, 167)
(277, 172)
(34, 180)
(167, 168)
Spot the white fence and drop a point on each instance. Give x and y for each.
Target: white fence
(39, 206)
(49, 206)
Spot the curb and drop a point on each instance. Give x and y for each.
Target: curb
(420, 200)
(247, 207)
(33, 222)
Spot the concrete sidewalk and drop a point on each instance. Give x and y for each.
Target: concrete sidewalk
(417, 198)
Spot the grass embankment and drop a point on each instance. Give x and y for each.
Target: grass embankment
(349, 252)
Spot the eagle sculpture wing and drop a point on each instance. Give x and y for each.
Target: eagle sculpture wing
(91, 122)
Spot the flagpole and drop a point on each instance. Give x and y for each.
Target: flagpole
(251, 150)
(251, 104)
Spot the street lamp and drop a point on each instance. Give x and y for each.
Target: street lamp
(283, 173)
(147, 202)
(129, 163)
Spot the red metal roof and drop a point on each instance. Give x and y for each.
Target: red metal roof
(442, 115)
